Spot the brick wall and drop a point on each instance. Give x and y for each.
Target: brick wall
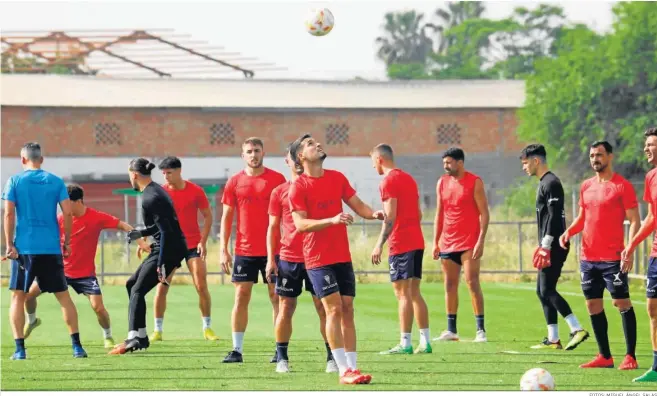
(188, 132)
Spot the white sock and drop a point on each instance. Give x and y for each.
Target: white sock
(238, 341)
(425, 337)
(31, 317)
(351, 360)
(107, 333)
(553, 333)
(405, 340)
(159, 324)
(132, 334)
(142, 333)
(573, 323)
(340, 359)
(207, 322)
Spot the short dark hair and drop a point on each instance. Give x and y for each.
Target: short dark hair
(75, 192)
(294, 148)
(31, 151)
(170, 162)
(256, 141)
(454, 153)
(534, 150)
(142, 165)
(608, 148)
(384, 150)
(650, 132)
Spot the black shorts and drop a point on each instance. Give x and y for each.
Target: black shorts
(246, 269)
(88, 286)
(333, 278)
(191, 254)
(47, 269)
(291, 279)
(406, 265)
(454, 256)
(598, 275)
(651, 278)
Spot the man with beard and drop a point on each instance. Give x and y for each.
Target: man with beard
(605, 201)
(549, 257)
(247, 193)
(316, 198)
(459, 234)
(648, 227)
(169, 249)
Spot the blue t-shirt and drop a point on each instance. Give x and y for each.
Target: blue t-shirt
(36, 194)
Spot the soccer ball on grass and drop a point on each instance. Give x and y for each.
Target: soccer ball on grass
(537, 379)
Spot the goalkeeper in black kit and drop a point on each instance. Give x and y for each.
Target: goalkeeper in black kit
(549, 257)
(167, 251)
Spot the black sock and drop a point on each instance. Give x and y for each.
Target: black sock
(654, 360)
(281, 350)
(480, 322)
(629, 328)
(75, 338)
(20, 343)
(600, 325)
(451, 323)
(329, 354)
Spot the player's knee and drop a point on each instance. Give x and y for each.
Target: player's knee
(287, 305)
(473, 283)
(129, 285)
(451, 285)
(242, 295)
(652, 311)
(622, 304)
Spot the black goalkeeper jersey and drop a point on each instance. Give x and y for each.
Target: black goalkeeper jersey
(550, 212)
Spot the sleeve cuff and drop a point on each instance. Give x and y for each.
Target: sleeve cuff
(546, 242)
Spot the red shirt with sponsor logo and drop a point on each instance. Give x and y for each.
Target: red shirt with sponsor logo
(321, 198)
(406, 233)
(85, 232)
(604, 204)
(249, 195)
(650, 196)
(187, 203)
(461, 226)
(291, 243)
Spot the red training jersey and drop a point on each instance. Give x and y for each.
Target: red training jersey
(291, 243)
(249, 195)
(461, 226)
(604, 204)
(85, 232)
(406, 233)
(187, 203)
(650, 196)
(321, 198)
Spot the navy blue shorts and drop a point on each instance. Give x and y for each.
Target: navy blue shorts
(246, 269)
(191, 254)
(454, 256)
(596, 276)
(651, 281)
(47, 269)
(333, 278)
(291, 279)
(406, 265)
(88, 286)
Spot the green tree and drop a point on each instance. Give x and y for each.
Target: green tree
(406, 39)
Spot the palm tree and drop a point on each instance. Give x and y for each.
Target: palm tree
(457, 12)
(406, 39)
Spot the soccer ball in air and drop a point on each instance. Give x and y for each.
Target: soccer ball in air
(537, 379)
(320, 22)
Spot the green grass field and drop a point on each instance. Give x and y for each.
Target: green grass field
(514, 321)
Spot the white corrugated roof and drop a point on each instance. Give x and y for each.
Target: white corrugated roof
(90, 91)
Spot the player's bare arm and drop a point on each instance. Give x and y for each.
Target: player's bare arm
(437, 224)
(390, 212)
(67, 215)
(575, 228)
(143, 244)
(10, 227)
(484, 218)
(205, 232)
(304, 224)
(273, 238)
(226, 225)
(633, 217)
(644, 232)
(363, 210)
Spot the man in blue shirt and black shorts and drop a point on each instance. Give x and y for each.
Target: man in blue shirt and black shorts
(33, 243)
